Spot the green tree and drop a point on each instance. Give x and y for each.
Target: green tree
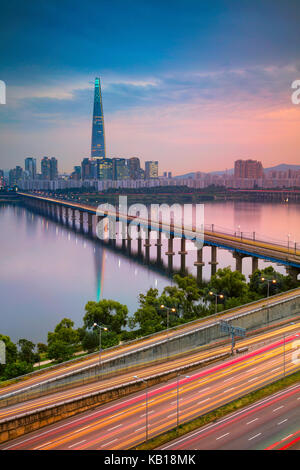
(109, 313)
(60, 351)
(26, 352)
(229, 283)
(63, 342)
(65, 332)
(283, 283)
(15, 369)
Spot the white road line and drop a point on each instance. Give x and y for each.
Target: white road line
(109, 443)
(77, 443)
(202, 401)
(230, 378)
(142, 416)
(282, 421)
(139, 429)
(173, 414)
(253, 437)
(115, 427)
(251, 380)
(220, 437)
(42, 445)
(204, 389)
(282, 406)
(252, 421)
(228, 390)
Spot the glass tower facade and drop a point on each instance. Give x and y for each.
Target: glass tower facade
(98, 137)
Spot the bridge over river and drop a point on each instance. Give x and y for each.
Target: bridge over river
(242, 245)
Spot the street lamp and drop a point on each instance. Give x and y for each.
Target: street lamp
(288, 242)
(100, 329)
(178, 375)
(269, 281)
(221, 296)
(169, 309)
(143, 380)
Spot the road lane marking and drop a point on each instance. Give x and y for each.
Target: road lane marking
(109, 442)
(77, 443)
(115, 427)
(282, 422)
(282, 406)
(252, 421)
(220, 437)
(253, 437)
(42, 445)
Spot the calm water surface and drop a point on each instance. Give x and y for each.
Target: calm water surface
(48, 271)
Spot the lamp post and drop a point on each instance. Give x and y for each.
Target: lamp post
(178, 376)
(168, 309)
(216, 296)
(143, 380)
(269, 281)
(100, 329)
(288, 242)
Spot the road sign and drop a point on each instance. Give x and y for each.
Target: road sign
(233, 331)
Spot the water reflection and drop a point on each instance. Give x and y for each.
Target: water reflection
(49, 271)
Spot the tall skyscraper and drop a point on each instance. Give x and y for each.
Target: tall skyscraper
(98, 136)
(30, 167)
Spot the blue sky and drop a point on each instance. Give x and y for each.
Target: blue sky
(207, 81)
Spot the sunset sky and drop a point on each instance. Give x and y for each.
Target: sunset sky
(193, 84)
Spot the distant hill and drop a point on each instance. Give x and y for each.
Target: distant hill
(280, 167)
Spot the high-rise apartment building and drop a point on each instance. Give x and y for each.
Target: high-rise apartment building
(151, 169)
(252, 169)
(105, 169)
(98, 136)
(134, 168)
(120, 169)
(30, 167)
(49, 168)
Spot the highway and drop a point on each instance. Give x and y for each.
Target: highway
(77, 392)
(271, 423)
(122, 423)
(60, 370)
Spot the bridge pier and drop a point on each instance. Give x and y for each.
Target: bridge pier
(81, 220)
(170, 253)
(67, 215)
(213, 261)
(90, 223)
(199, 264)
(182, 254)
(147, 246)
(254, 264)
(238, 261)
(158, 244)
(73, 218)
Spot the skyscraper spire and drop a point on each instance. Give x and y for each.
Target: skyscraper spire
(98, 137)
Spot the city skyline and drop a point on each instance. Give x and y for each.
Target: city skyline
(187, 99)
